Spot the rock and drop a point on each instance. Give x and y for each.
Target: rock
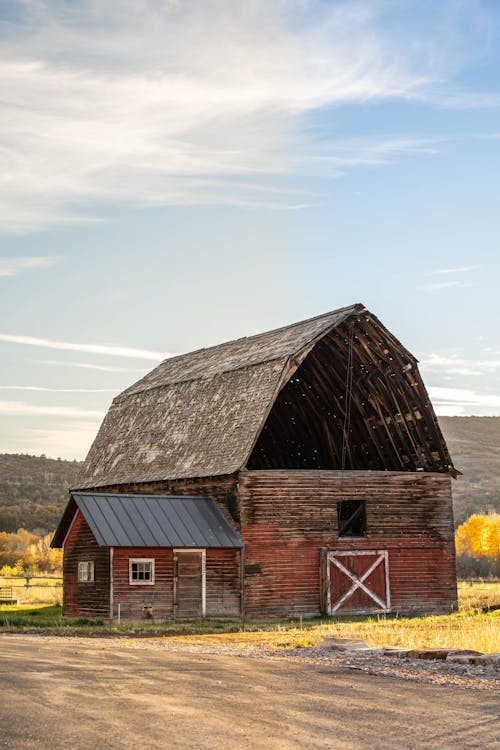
(461, 656)
(400, 653)
(429, 653)
(486, 660)
(343, 644)
(459, 659)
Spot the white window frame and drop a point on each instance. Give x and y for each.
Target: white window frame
(86, 571)
(133, 560)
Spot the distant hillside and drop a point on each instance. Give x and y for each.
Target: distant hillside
(474, 444)
(33, 491)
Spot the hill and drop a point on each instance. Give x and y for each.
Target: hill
(33, 491)
(474, 444)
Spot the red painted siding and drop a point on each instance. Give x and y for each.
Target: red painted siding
(287, 517)
(84, 599)
(222, 583)
(133, 598)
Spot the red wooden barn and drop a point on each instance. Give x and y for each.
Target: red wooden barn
(299, 471)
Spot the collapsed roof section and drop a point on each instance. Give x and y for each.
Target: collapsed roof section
(336, 391)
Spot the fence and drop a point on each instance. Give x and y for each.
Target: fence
(34, 590)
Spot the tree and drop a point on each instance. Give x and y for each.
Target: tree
(479, 535)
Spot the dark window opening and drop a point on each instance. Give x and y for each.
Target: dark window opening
(351, 518)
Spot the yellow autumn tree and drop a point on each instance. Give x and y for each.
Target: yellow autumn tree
(479, 535)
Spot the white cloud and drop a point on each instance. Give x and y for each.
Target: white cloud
(89, 366)
(174, 103)
(14, 266)
(443, 285)
(461, 269)
(458, 365)
(109, 350)
(69, 440)
(43, 389)
(458, 401)
(22, 409)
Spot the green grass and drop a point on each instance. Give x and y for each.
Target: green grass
(476, 626)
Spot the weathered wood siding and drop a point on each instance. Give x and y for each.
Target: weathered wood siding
(223, 582)
(133, 597)
(222, 578)
(288, 516)
(85, 599)
(223, 489)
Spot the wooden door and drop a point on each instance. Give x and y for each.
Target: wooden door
(357, 581)
(189, 584)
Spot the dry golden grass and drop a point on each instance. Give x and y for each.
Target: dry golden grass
(467, 629)
(40, 590)
(470, 628)
(478, 595)
(477, 632)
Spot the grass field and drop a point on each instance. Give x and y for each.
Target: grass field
(40, 591)
(471, 627)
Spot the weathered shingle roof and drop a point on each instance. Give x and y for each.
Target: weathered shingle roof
(150, 521)
(200, 414)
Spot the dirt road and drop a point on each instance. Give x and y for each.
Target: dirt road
(79, 694)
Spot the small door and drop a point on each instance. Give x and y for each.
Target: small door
(357, 581)
(189, 583)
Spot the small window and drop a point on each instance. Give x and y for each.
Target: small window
(351, 518)
(86, 571)
(141, 571)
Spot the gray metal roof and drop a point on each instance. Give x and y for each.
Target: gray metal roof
(156, 521)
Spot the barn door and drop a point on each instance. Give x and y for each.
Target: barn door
(189, 583)
(356, 581)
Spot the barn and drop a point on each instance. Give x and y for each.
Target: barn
(301, 471)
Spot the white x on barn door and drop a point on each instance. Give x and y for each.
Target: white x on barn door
(358, 581)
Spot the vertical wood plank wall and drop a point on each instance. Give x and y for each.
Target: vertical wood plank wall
(134, 597)
(288, 516)
(222, 583)
(85, 599)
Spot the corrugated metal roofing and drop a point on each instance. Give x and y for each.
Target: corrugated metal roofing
(156, 521)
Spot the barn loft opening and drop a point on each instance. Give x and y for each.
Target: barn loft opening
(356, 402)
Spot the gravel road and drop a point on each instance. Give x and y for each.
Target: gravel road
(82, 693)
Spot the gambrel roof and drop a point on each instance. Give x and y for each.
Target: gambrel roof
(201, 414)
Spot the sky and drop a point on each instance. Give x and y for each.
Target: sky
(176, 174)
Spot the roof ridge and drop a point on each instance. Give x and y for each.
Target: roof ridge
(356, 306)
(141, 386)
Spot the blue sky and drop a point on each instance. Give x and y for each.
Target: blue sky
(176, 174)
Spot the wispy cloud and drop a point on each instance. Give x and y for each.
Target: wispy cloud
(22, 409)
(458, 365)
(70, 439)
(43, 389)
(460, 269)
(108, 350)
(174, 103)
(89, 366)
(457, 401)
(444, 285)
(14, 266)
